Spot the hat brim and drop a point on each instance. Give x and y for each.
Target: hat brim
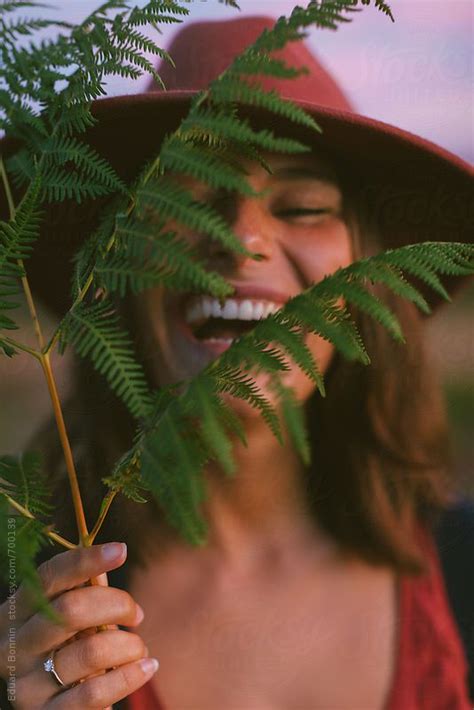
(412, 189)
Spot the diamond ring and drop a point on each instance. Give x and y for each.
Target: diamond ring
(48, 666)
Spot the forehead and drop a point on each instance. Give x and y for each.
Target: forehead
(310, 166)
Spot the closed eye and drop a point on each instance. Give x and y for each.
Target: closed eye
(301, 211)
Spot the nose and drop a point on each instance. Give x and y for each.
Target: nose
(251, 224)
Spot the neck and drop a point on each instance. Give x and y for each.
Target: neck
(262, 513)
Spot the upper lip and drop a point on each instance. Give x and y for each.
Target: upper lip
(262, 293)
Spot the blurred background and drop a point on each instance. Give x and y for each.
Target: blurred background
(415, 73)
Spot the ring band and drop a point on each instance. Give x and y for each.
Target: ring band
(48, 666)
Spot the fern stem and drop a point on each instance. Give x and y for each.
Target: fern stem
(32, 307)
(70, 466)
(8, 192)
(50, 533)
(24, 280)
(23, 347)
(106, 503)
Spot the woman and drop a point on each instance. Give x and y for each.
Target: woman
(317, 589)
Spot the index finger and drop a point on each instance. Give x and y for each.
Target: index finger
(68, 570)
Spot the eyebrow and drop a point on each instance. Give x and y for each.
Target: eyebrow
(298, 172)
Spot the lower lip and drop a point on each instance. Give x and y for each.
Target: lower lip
(215, 346)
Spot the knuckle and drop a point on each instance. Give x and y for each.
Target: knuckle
(69, 606)
(92, 694)
(124, 676)
(129, 604)
(135, 645)
(92, 653)
(23, 696)
(47, 573)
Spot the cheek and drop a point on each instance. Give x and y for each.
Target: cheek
(320, 250)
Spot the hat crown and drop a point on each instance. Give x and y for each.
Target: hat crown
(203, 50)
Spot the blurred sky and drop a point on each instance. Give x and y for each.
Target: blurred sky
(416, 73)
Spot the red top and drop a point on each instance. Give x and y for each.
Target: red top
(431, 667)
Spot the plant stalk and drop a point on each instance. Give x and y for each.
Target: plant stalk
(106, 503)
(50, 533)
(70, 466)
(46, 365)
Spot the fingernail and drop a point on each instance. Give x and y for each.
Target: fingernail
(139, 614)
(113, 551)
(149, 665)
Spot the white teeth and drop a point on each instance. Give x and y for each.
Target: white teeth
(227, 341)
(206, 307)
(230, 310)
(216, 309)
(246, 310)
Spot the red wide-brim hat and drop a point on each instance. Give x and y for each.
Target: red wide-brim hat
(412, 189)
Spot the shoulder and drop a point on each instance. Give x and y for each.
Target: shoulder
(434, 657)
(454, 539)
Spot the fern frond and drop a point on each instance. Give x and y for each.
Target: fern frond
(293, 416)
(326, 14)
(9, 31)
(241, 385)
(229, 128)
(158, 11)
(209, 410)
(274, 328)
(382, 6)
(60, 184)
(13, 5)
(21, 539)
(232, 89)
(16, 242)
(164, 200)
(147, 259)
(125, 477)
(334, 324)
(252, 352)
(171, 467)
(253, 61)
(94, 332)
(61, 150)
(22, 479)
(205, 165)
(424, 260)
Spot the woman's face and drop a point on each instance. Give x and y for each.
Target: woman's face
(298, 229)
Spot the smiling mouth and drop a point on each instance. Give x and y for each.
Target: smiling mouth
(214, 321)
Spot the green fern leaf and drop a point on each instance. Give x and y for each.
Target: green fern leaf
(94, 332)
(204, 164)
(147, 259)
(241, 385)
(60, 150)
(232, 89)
(275, 329)
(382, 6)
(21, 478)
(293, 416)
(255, 62)
(171, 466)
(166, 200)
(209, 408)
(229, 128)
(125, 477)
